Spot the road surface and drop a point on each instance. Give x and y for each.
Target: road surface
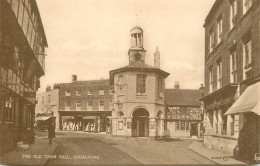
(89, 149)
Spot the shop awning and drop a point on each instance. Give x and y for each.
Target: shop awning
(42, 118)
(249, 101)
(89, 117)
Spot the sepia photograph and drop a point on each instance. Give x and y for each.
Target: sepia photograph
(129, 82)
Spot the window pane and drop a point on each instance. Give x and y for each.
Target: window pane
(20, 15)
(14, 6)
(25, 22)
(29, 33)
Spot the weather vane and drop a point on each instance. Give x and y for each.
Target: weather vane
(136, 17)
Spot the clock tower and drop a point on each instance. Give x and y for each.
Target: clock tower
(136, 52)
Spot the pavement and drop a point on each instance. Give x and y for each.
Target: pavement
(216, 156)
(37, 154)
(79, 148)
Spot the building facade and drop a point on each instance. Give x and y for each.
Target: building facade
(48, 104)
(232, 46)
(138, 93)
(85, 105)
(183, 112)
(22, 46)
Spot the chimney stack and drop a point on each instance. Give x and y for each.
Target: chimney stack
(177, 85)
(74, 78)
(48, 88)
(157, 58)
(201, 87)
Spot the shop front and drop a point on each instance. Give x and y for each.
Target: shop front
(87, 121)
(247, 106)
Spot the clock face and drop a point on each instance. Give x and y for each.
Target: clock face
(138, 56)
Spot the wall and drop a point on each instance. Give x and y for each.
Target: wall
(173, 133)
(230, 37)
(84, 86)
(245, 23)
(131, 101)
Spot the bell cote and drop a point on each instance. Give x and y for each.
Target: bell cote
(136, 51)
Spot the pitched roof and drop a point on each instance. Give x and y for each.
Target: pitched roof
(138, 66)
(183, 97)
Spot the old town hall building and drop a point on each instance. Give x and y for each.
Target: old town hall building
(138, 93)
(132, 103)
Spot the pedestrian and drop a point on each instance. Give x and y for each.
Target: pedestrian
(51, 132)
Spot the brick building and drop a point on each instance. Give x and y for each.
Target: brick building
(232, 63)
(85, 105)
(22, 61)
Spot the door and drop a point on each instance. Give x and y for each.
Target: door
(141, 127)
(193, 129)
(248, 141)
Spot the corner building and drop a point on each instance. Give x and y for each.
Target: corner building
(22, 63)
(138, 93)
(232, 44)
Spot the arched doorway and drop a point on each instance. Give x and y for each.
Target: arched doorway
(140, 123)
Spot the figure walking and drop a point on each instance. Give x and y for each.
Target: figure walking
(51, 132)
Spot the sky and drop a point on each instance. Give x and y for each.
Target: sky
(89, 38)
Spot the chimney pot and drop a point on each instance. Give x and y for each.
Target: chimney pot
(74, 78)
(177, 85)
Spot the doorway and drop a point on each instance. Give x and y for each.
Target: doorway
(140, 123)
(248, 141)
(193, 129)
